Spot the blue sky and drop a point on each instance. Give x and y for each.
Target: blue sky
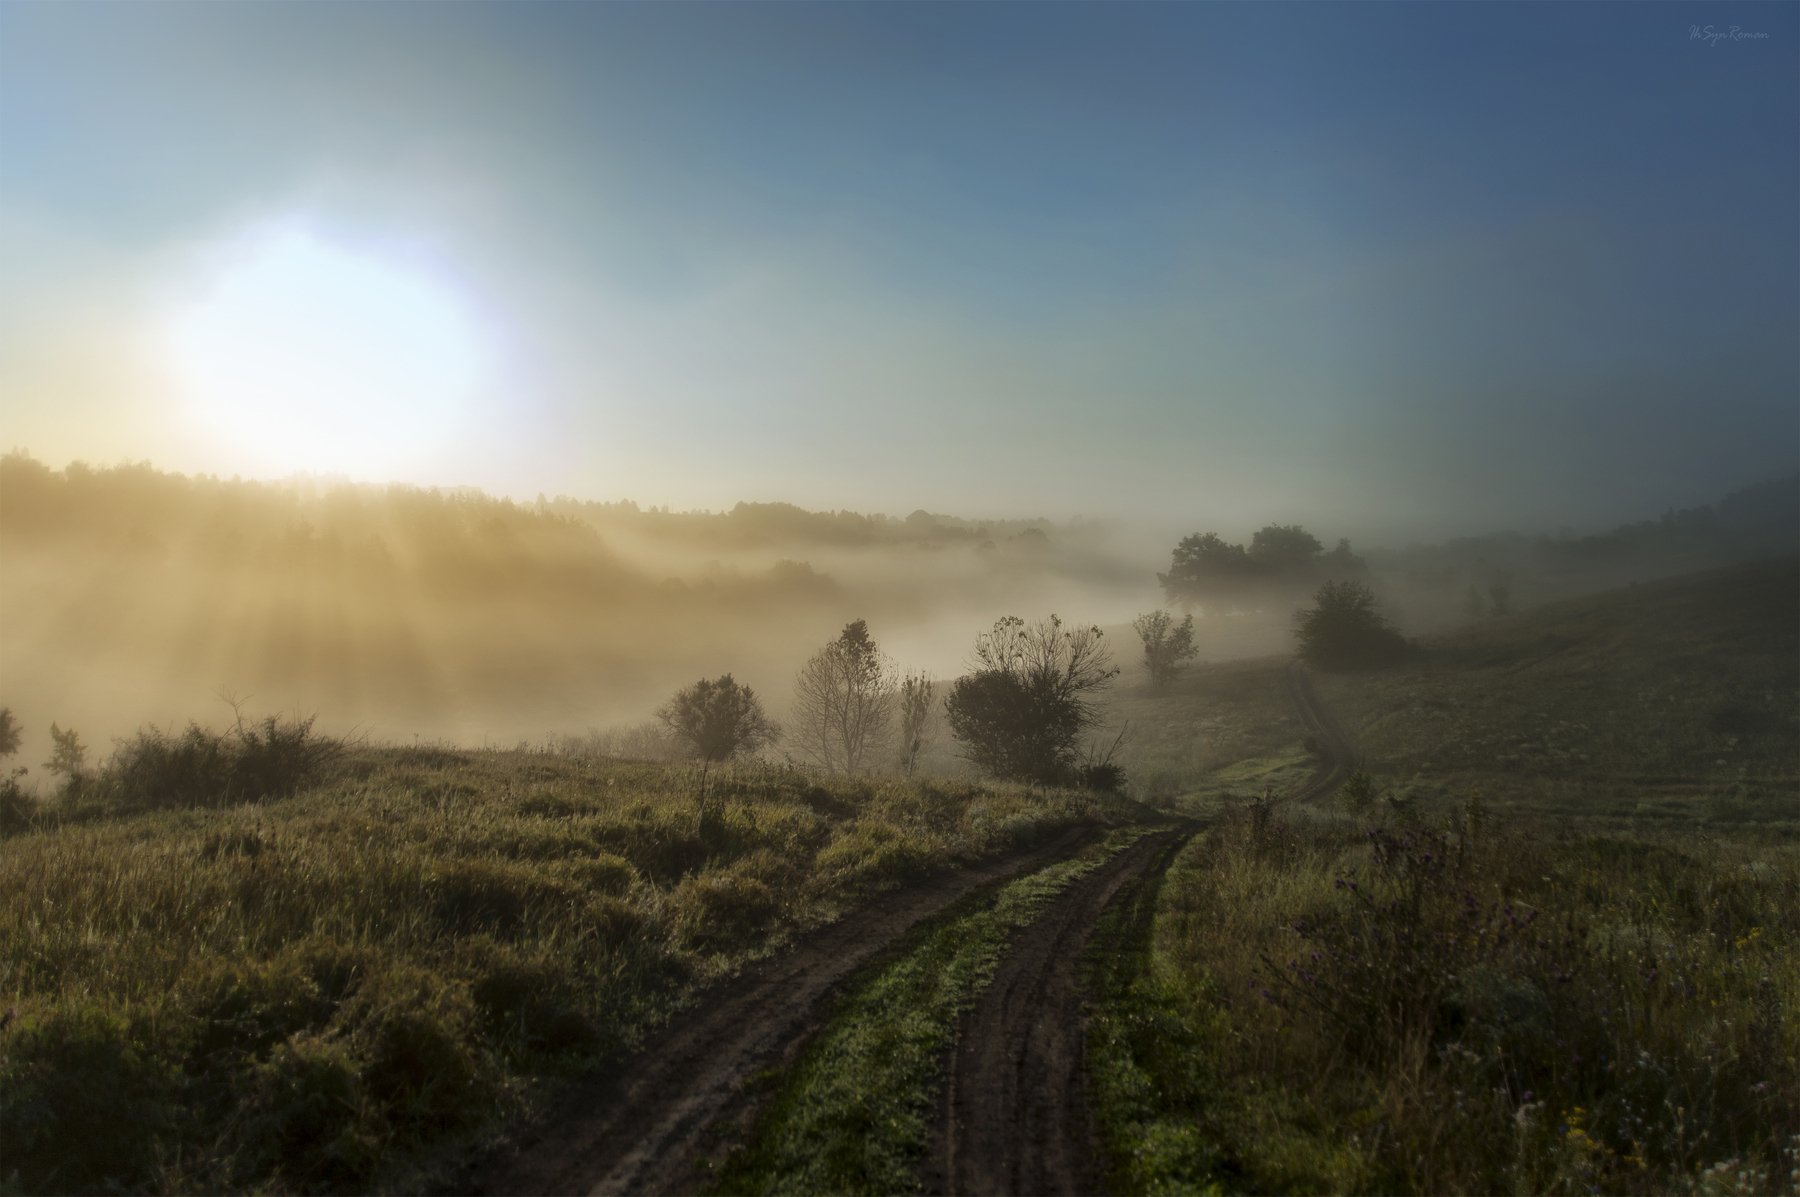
(1394, 269)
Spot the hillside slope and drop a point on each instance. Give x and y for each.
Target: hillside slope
(1677, 698)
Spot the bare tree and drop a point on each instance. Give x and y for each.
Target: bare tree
(918, 719)
(844, 702)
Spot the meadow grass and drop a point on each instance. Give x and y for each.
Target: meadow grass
(1676, 700)
(348, 987)
(853, 1115)
(1509, 1005)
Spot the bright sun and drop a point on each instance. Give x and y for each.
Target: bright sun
(299, 354)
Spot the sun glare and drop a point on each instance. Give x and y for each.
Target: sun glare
(299, 354)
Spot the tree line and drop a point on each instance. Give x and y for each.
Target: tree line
(1020, 714)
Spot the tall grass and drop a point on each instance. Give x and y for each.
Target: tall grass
(328, 991)
(1514, 1007)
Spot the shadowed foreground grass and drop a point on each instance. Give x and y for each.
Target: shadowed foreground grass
(346, 988)
(1515, 1006)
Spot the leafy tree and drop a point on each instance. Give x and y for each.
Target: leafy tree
(1343, 630)
(67, 753)
(9, 732)
(844, 701)
(1285, 549)
(916, 719)
(1206, 569)
(1342, 563)
(1019, 713)
(1167, 645)
(718, 719)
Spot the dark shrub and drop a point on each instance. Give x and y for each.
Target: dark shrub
(82, 1104)
(157, 771)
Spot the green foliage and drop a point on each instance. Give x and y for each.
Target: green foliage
(84, 1101)
(249, 763)
(717, 719)
(67, 753)
(1357, 794)
(1167, 645)
(1526, 1008)
(1343, 630)
(1020, 714)
(337, 992)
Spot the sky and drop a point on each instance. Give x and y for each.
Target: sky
(1394, 270)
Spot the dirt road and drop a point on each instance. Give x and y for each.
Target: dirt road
(634, 1131)
(1015, 1118)
(1014, 1115)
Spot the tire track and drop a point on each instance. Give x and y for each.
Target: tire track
(1015, 1116)
(637, 1129)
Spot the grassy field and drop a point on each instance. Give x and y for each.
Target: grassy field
(1671, 700)
(1555, 950)
(347, 988)
(1322, 1006)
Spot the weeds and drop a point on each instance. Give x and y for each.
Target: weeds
(1499, 1005)
(326, 993)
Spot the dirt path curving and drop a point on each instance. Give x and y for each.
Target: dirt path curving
(1015, 1117)
(636, 1130)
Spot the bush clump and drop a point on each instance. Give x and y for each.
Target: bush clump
(199, 768)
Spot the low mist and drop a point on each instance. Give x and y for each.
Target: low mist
(133, 597)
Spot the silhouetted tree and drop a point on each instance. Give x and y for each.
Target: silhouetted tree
(1285, 550)
(1342, 630)
(67, 753)
(1167, 645)
(9, 732)
(718, 719)
(916, 719)
(1020, 712)
(1205, 569)
(844, 701)
(1342, 563)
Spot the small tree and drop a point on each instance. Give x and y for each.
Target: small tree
(67, 753)
(9, 732)
(844, 702)
(1020, 712)
(718, 719)
(917, 719)
(1167, 645)
(1342, 630)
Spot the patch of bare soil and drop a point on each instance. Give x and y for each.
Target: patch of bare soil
(1015, 1116)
